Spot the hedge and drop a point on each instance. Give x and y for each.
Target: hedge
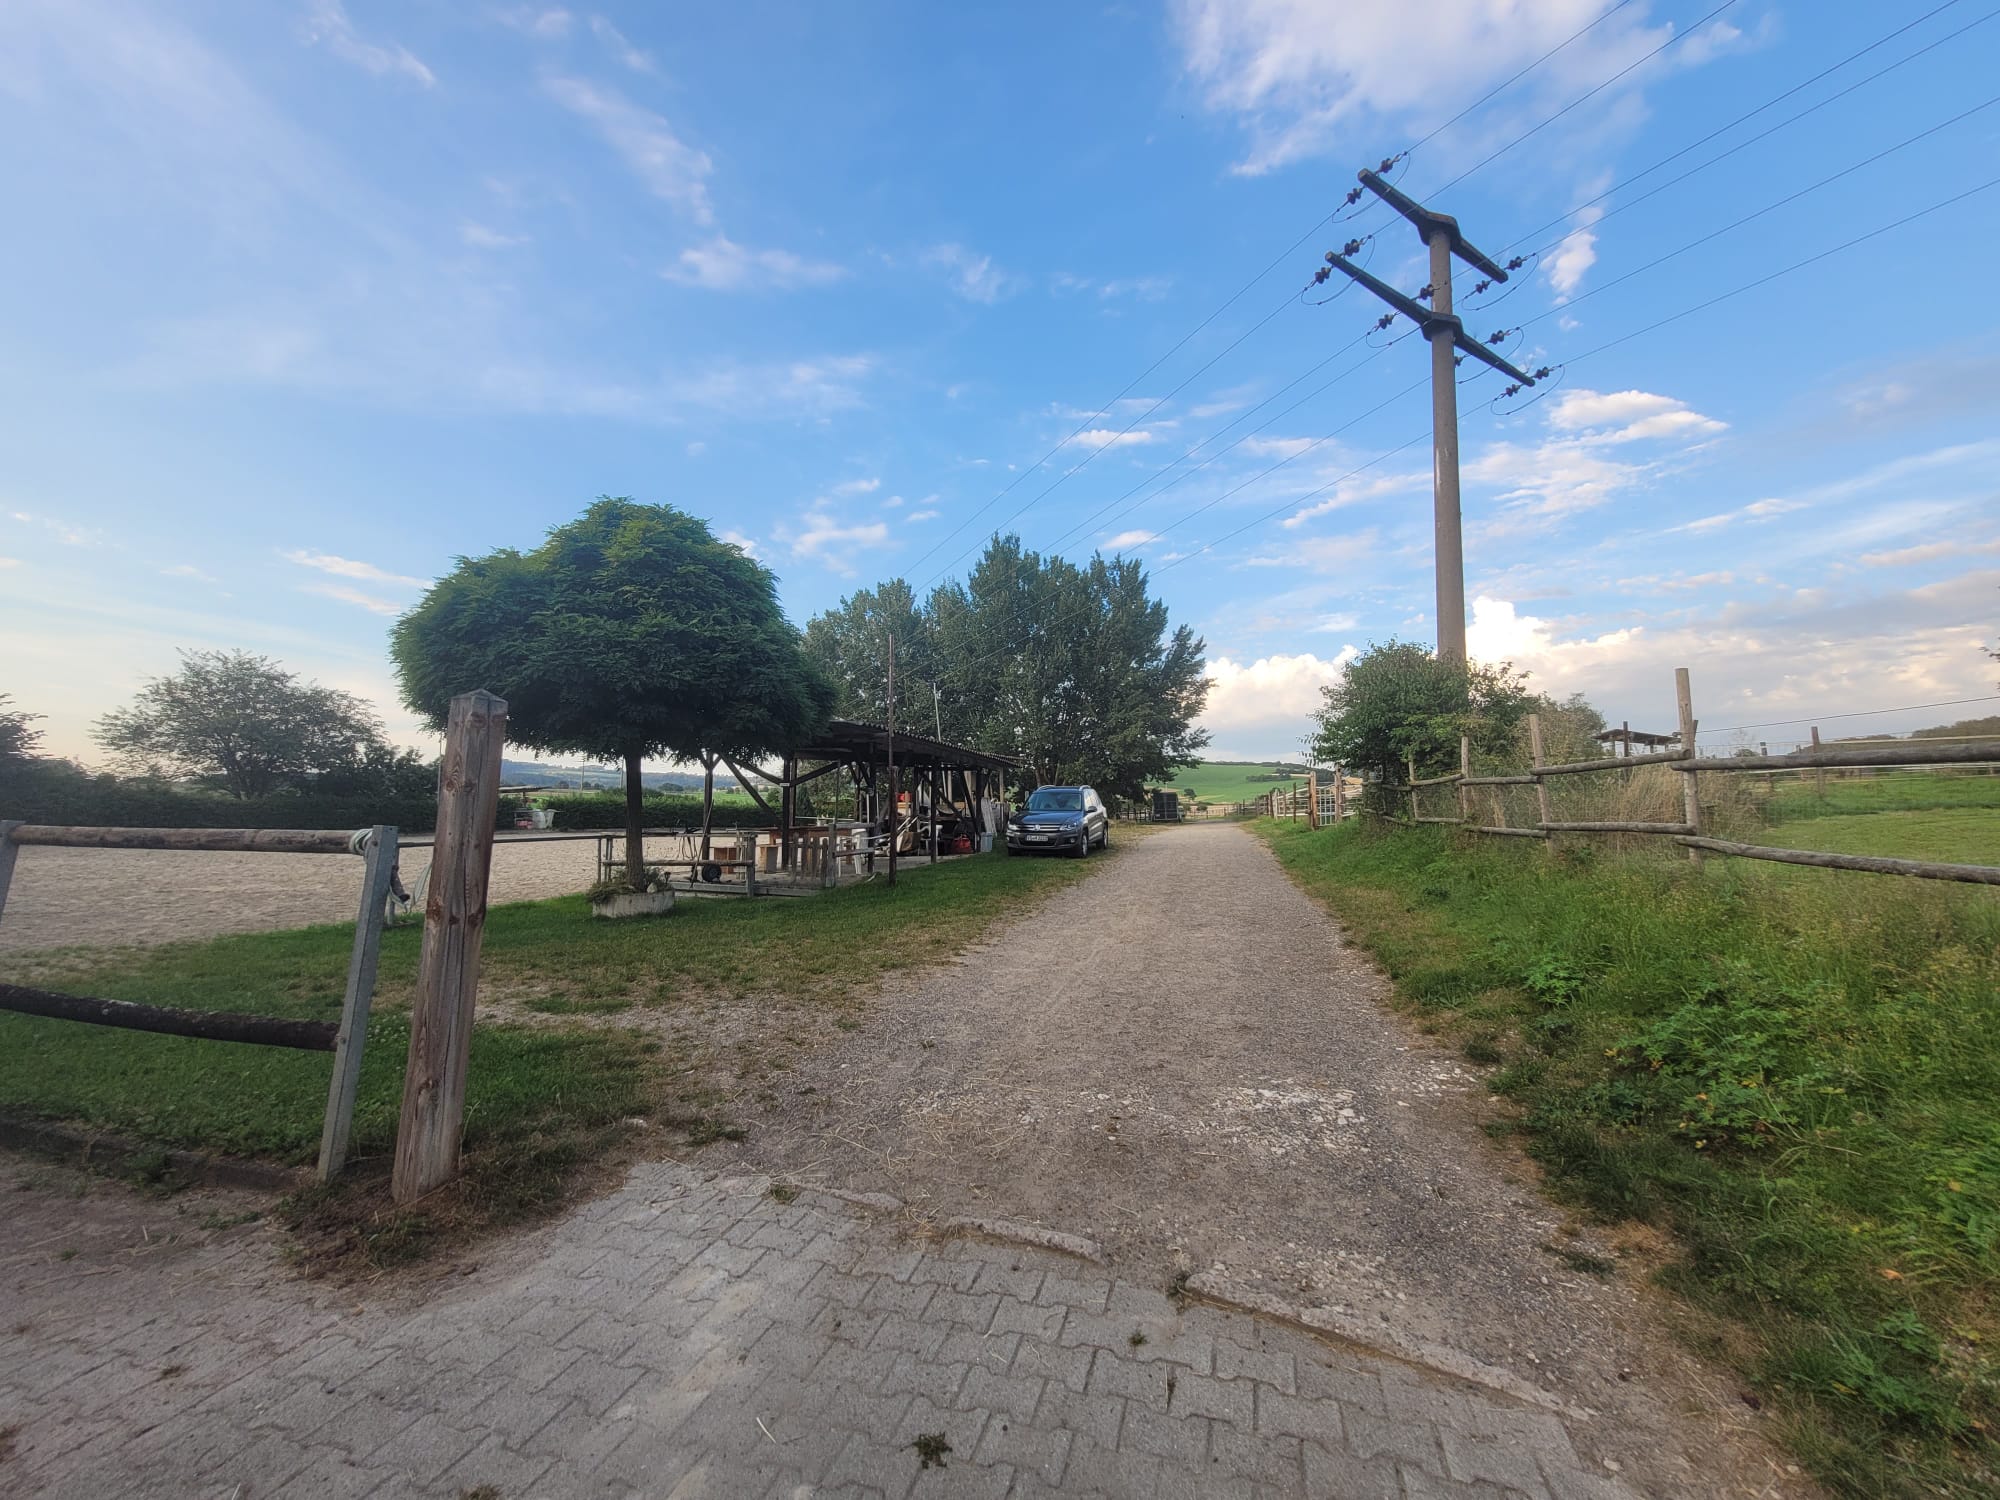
(39, 795)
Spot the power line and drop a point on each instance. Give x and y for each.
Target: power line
(1617, 187)
(1859, 713)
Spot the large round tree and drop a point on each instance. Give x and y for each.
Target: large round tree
(630, 633)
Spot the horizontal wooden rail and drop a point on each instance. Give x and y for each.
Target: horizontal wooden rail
(1617, 827)
(1422, 818)
(1612, 763)
(1498, 781)
(1437, 780)
(235, 840)
(213, 1025)
(1910, 753)
(1516, 833)
(1872, 864)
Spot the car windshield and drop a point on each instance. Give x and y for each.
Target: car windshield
(1056, 799)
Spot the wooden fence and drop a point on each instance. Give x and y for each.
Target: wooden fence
(344, 1040)
(1688, 830)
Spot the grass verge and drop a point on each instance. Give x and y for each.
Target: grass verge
(1796, 1076)
(547, 1104)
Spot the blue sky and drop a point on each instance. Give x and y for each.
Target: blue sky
(301, 300)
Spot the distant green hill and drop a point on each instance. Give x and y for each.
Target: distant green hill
(1235, 780)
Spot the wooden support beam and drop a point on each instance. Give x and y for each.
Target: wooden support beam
(1923, 869)
(1690, 788)
(1610, 763)
(210, 1025)
(1618, 827)
(1523, 780)
(1908, 753)
(357, 1001)
(234, 840)
(428, 1138)
(788, 798)
(1513, 833)
(744, 782)
(8, 849)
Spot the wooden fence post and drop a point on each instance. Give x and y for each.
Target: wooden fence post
(1312, 800)
(1819, 776)
(1464, 771)
(354, 1008)
(427, 1140)
(1411, 763)
(1339, 794)
(1690, 783)
(8, 849)
(1541, 785)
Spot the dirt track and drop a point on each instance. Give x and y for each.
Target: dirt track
(1181, 1059)
(92, 897)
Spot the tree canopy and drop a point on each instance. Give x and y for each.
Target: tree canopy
(245, 721)
(631, 632)
(1076, 669)
(1398, 701)
(19, 739)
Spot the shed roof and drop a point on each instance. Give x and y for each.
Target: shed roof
(850, 740)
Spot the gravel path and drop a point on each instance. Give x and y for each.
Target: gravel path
(99, 897)
(1181, 1059)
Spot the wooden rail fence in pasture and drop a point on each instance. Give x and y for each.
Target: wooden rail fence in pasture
(1687, 829)
(344, 1040)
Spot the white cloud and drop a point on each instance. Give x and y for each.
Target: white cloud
(187, 570)
(669, 168)
(353, 596)
(1570, 261)
(547, 25)
(825, 538)
(1270, 700)
(10, 562)
(973, 276)
(724, 265)
(1354, 491)
(1308, 76)
(1628, 416)
(480, 237)
(1316, 552)
(347, 567)
(696, 448)
(737, 539)
(63, 531)
(327, 25)
(857, 486)
(1109, 437)
(925, 515)
(1925, 552)
(1278, 447)
(614, 41)
(1128, 539)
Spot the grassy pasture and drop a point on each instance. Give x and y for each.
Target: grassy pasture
(1230, 780)
(1797, 1073)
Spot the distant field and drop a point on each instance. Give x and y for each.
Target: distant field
(1966, 835)
(1229, 780)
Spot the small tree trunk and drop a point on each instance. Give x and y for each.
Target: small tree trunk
(707, 801)
(635, 822)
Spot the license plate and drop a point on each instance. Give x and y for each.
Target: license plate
(1038, 838)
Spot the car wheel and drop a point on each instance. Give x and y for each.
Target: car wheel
(1104, 842)
(1083, 845)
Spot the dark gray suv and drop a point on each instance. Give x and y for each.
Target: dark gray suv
(1067, 818)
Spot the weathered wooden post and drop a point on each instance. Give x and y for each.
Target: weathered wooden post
(1312, 800)
(360, 996)
(1410, 764)
(1541, 785)
(427, 1139)
(1339, 793)
(1819, 776)
(8, 849)
(1464, 774)
(1690, 782)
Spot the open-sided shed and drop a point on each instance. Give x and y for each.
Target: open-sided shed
(950, 789)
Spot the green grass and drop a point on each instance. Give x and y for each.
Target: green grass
(1966, 836)
(1796, 1073)
(1230, 780)
(545, 1105)
(1798, 797)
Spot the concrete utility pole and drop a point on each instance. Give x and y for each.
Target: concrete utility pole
(1446, 335)
(895, 808)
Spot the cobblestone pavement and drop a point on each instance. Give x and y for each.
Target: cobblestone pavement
(696, 1337)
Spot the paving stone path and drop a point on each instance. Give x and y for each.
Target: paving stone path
(690, 1335)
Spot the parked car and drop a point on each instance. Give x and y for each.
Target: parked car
(1068, 818)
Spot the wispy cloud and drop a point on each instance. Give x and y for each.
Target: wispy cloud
(481, 237)
(858, 486)
(67, 533)
(549, 24)
(747, 545)
(669, 168)
(326, 25)
(1111, 437)
(1571, 260)
(724, 265)
(822, 536)
(1127, 539)
(614, 41)
(347, 567)
(973, 276)
(353, 596)
(187, 570)
(925, 515)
